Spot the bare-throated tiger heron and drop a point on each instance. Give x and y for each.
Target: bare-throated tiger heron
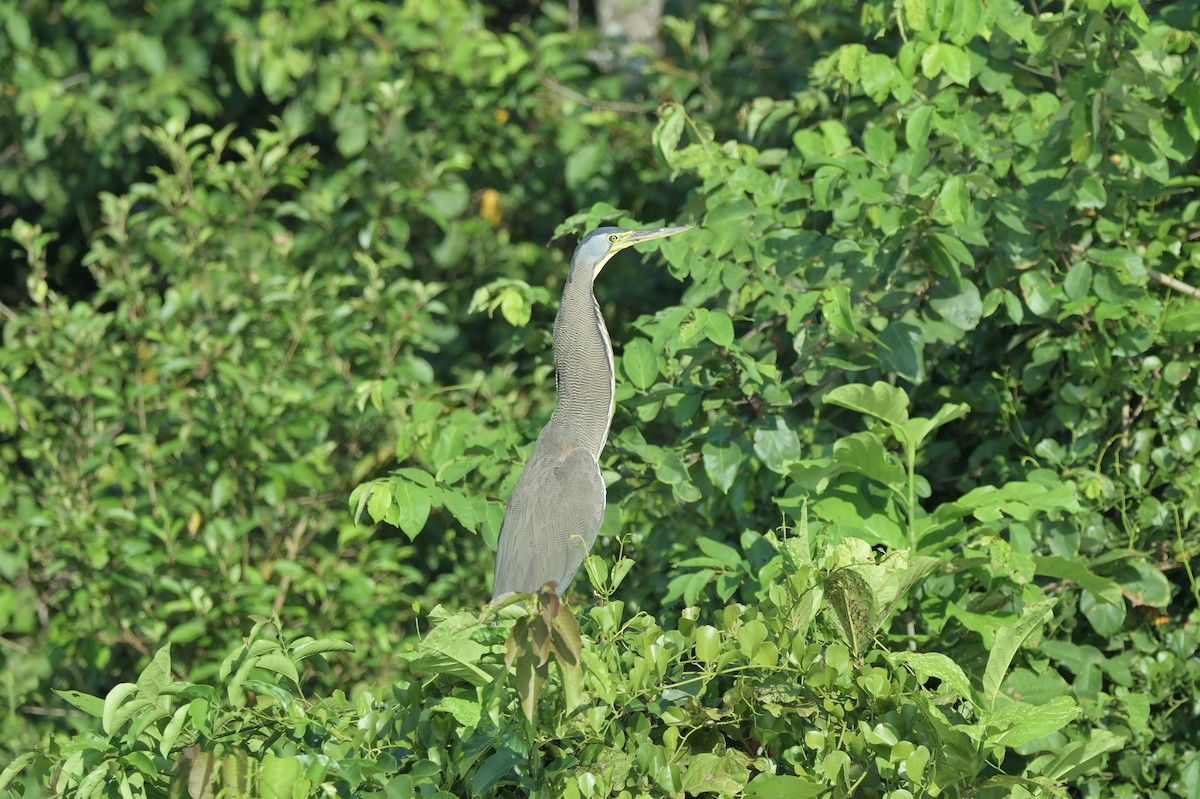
(558, 504)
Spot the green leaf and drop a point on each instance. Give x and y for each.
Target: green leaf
(379, 500)
(1019, 723)
(1105, 618)
(901, 351)
(1080, 757)
(1145, 584)
(881, 400)
(640, 362)
(960, 305)
(279, 775)
(723, 774)
(935, 664)
(116, 698)
(410, 507)
(174, 727)
(92, 705)
(943, 57)
(669, 131)
(719, 328)
(751, 636)
(865, 454)
(917, 127)
(320, 646)
(14, 768)
(278, 663)
(913, 432)
(777, 448)
(1091, 193)
(1006, 644)
(498, 766)
(721, 463)
(1071, 569)
(708, 644)
(723, 554)
(965, 19)
(876, 74)
(954, 199)
(157, 674)
(1078, 281)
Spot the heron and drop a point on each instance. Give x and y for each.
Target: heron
(558, 504)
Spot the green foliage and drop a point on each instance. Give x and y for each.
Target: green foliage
(904, 479)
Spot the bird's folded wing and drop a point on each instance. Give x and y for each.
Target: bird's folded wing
(550, 523)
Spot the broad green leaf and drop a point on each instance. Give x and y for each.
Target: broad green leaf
(719, 328)
(1078, 281)
(876, 74)
(640, 362)
(319, 647)
(881, 400)
(278, 663)
(914, 14)
(708, 644)
(917, 127)
(865, 454)
(721, 463)
(901, 351)
(723, 554)
(1079, 757)
(498, 766)
(913, 432)
(965, 19)
(279, 775)
(120, 694)
(1006, 644)
(448, 649)
(1077, 572)
(15, 767)
(1091, 193)
(725, 774)
(751, 636)
(157, 674)
(410, 507)
(1144, 584)
(1019, 723)
(671, 470)
(669, 131)
(935, 664)
(1106, 619)
(174, 727)
(955, 200)
(778, 447)
(850, 599)
(92, 705)
(960, 305)
(836, 310)
(378, 500)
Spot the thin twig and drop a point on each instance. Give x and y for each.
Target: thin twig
(574, 96)
(1178, 285)
(8, 397)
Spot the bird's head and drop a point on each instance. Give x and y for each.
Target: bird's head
(597, 247)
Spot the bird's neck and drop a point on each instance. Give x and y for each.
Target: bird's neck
(583, 368)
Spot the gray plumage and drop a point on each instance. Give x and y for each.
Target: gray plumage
(558, 504)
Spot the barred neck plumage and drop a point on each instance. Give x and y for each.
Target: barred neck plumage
(583, 361)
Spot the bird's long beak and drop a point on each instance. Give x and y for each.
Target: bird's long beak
(632, 237)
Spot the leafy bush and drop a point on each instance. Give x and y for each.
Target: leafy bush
(903, 479)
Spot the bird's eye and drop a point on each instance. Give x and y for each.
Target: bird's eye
(612, 237)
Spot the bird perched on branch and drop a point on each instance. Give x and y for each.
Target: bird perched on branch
(557, 507)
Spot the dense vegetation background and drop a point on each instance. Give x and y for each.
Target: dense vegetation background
(904, 478)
